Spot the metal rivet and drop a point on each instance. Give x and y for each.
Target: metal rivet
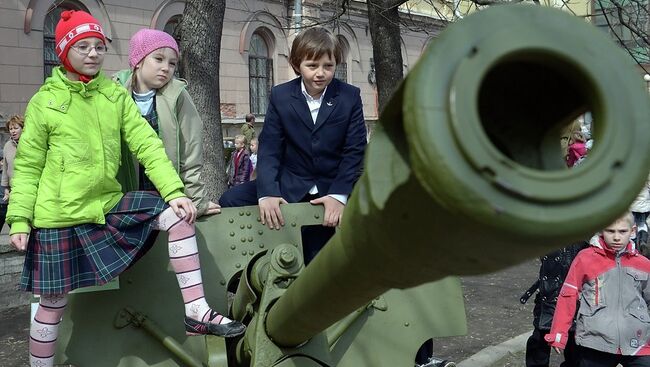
(232, 247)
(232, 234)
(241, 214)
(293, 224)
(231, 220)
(261, 245)
(250, 239)
(243, 252)
(223, 282)
(259, 219)
(248, 213)
(249, 226)
(238, 265)
(406, 324)
(242, 226)
(251, 252)
(243, 239)
(316, 216)
(260, 232)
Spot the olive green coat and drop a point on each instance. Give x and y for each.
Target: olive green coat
(69, 154)
(181, 130)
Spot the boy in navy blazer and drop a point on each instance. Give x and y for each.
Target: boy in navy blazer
(312, 144)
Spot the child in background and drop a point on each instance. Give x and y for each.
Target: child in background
(610, 279)
(165, 103)
(576, 150)
(553, 269)
(253, 157)
(240, 166)
(67, 209)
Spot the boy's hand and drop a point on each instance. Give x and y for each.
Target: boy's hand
(184, 208)
(270, 211)
(19, 241)
(333, 210)
(213, 208)
(557, 350)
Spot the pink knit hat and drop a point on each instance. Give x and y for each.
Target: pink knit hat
(146, 41)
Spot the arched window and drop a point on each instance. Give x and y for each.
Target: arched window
(50, 59)
(260, 73)
(173, 28)
(341, 72)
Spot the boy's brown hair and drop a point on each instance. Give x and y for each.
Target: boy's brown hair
(312, 44)
(15, 120)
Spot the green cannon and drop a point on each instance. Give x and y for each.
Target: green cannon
(464, 175)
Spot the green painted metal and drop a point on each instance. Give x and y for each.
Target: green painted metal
(464, 175)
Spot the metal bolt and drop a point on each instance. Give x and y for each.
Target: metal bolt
(286, 258)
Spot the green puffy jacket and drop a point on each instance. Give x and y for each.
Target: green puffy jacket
(69, 154)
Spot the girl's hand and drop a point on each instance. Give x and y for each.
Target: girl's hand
(19, 241)
(184, 208)
(213, 208)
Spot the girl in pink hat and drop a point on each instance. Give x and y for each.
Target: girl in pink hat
(67, 209)
(165, 103)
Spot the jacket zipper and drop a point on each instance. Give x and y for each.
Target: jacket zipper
(618, 319)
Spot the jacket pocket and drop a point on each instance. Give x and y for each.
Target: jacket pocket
(76, 152)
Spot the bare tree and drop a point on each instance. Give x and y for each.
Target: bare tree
(201, 30)
(626, 20)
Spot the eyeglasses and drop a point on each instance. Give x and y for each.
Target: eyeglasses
(84, 50)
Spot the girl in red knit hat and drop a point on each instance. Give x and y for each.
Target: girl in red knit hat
(165, 103)
(67, 209)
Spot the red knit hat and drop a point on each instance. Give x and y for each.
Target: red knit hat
(73, 26)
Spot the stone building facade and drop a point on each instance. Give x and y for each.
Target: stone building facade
(254, 48)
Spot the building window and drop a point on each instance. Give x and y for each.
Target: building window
(341, 72)
(260, 74)
(173, 28)
(50, 59)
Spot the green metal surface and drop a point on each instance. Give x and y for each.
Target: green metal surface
(464, 175)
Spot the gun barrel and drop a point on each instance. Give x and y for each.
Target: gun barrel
(465, 174)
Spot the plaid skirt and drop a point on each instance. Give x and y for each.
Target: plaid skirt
(59, 260)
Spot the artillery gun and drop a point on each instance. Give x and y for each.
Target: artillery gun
(467, 152)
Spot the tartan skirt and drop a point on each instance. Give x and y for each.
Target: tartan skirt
(59, 260)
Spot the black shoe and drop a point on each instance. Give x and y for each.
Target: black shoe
(229, 330)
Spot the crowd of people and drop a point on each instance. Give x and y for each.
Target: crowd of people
(104, 162)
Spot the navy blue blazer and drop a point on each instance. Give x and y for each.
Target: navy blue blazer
(295, 154)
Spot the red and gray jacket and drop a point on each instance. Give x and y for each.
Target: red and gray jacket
(613, 290)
